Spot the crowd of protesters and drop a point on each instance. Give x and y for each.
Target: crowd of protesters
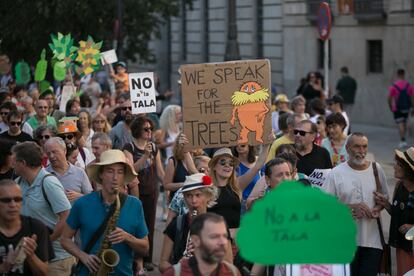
(74, 180)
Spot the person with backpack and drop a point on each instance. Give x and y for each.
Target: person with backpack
(400, 101)
(209, 236)
(199, 193)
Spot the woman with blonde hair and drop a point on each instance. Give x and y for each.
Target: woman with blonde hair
(100, 123)
(170, 127)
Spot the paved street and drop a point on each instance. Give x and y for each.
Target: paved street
(382, 142)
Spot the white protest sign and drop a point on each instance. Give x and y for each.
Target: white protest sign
(318, 270)
(318, 177)
(142, 89)
(109, 57)
(68, 91)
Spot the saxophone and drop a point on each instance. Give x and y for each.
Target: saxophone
(186, 253)
(109, 257)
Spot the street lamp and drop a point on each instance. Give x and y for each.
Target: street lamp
(232, 46)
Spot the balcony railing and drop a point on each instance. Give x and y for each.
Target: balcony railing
(369, 10)
(312, 9)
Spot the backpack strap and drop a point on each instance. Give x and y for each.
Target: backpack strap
(83, 154)
(231, 267)
(44, 191)
(177, 269)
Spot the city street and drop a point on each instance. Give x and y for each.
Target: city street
(382, 142)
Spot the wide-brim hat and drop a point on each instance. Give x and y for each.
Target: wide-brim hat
(223, 152)
(196, 181)
(407, 156)
(281, 98)
(110, 157)
(69, 126)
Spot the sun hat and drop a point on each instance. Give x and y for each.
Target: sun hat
(196, 181)
(281, 98)
(110, 157)
(407, 156)
(68, 126)
(223, 152)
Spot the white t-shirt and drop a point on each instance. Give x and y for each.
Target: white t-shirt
(352, 186)
(346, 129)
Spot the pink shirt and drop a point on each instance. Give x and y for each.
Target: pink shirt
(394, 93)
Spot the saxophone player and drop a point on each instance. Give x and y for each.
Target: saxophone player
(199, 193)
(124, 231)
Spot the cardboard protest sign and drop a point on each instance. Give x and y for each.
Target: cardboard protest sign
(22, 73)
(226, 104)
(142, 89)
(318, 177)
(88, 56)
(318, 270)
(109, 57)
(296, 224)
(4, 65)
(68, 91)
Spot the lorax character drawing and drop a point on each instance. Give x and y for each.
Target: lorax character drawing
(249, 106)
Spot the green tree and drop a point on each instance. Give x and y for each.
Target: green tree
(26, 25)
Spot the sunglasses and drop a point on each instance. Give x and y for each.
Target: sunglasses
(300, 132)
(6, 200)
(125, 108)
(67, 136)
(42, 107)
(223, 162)
(44, 137)
(15, 123)
(147, 129)
(319, 122)
(4, 113)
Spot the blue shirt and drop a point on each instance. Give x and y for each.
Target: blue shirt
(88, 213)
(35, 205)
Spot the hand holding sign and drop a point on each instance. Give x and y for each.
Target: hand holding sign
(297, 224)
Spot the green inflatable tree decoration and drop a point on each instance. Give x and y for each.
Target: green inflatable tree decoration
(22, 73)
(41, 67)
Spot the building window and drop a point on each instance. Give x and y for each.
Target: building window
(374, 54)
(321, 56)
(369, 10)
(259, 28)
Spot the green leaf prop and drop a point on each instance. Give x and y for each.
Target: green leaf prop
(44, 85)
(41, 67)
(295, 224)
(63, 49)
(59, 70)
(22, 73)
(88, 56)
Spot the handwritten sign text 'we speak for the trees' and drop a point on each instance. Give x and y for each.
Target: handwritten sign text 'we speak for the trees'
(226, 104)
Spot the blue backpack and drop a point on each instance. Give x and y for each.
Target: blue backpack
(403, 100)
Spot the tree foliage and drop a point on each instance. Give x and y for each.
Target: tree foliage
(26, 25)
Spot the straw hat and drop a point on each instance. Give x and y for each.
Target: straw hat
(407, 156)
(196, 181)
(223, 152)
(110, 157)
(281, 98)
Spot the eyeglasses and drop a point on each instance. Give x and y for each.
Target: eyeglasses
(42, 107)
(300, 132)
(125, 108)
(223, 162)
(7, 200)
(69, 136)
(15, 123)
(147, 129)
(4, 113)
(44, 137)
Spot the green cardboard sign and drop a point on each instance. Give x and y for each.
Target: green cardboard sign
(22, 73)
(41, 67)
(296, 224)
(88, 56)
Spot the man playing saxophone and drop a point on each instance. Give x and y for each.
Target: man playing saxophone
(107, 220)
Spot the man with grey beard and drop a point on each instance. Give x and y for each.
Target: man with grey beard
(353, 183)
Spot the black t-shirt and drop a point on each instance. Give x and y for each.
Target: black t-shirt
(318, 158)
(22, 137)
(179, 239)
(44, 250)
(402, 212)
(180, 173)
(229, 206)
